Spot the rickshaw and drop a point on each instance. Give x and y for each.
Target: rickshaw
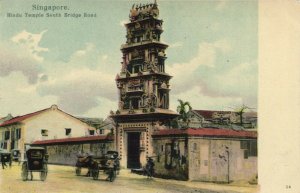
(5, 157)
(109, 164)
(36, 161)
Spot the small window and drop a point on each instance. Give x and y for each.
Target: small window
(92, 132)
(135, 103)
(253, 148)
(6, 135)
(101, 131)
(44, 132)
(246, 154)
(195, 147)
(162, 148)
(68, 131)
(250, 148)
(18, 133)
(244, 144)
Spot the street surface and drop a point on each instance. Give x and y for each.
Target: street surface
(62, 179)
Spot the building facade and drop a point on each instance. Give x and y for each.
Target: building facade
(50, 123)
(143, 86)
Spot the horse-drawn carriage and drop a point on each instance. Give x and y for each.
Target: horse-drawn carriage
(83, 161)
(5, 157)
(109, 164)
(36, 161)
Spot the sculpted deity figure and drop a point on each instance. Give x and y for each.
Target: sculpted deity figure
(121, 105)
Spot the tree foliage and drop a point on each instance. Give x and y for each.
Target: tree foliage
(240, 111)
(183, 108)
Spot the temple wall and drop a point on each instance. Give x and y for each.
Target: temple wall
(214, 159)
(171, 158)
(202, 159)
(66, 154)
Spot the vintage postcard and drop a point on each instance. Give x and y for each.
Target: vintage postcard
(146, 96)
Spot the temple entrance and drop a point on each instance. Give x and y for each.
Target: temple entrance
(133, 150)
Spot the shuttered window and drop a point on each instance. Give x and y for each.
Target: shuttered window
(249, 147)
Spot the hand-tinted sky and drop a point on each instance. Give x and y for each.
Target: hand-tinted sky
(73, 62)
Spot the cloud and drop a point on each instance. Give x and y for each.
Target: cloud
(89, 57)
(80, 89)
(241, 80)
(30, 42)
(198, 100)
(213, 79)
(185, 73)
(18, 97)
(15, 59)
(21, 54)
(78, 86)
(81, 83)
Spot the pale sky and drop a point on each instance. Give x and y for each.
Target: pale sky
(212, 55)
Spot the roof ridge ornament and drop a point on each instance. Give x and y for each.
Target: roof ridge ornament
(54, 107)
(142, 11)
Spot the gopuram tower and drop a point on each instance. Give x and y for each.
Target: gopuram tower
(143, 86)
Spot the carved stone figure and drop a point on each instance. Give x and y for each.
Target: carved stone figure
(121, 105)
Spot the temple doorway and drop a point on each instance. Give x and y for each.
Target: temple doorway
(133, 150)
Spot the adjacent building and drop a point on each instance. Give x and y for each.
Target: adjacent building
(49, 123)
(221, 119)
(103, 127)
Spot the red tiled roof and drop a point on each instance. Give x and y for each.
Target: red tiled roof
(207, 114)
(73, 140)
(208, 132)
(21, 118)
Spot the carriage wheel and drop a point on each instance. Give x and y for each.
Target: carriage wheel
(95, 174)
(78, 171)
(24, 172)
(112, 175)
(43, 174)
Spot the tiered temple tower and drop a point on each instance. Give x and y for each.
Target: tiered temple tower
(143, 86)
